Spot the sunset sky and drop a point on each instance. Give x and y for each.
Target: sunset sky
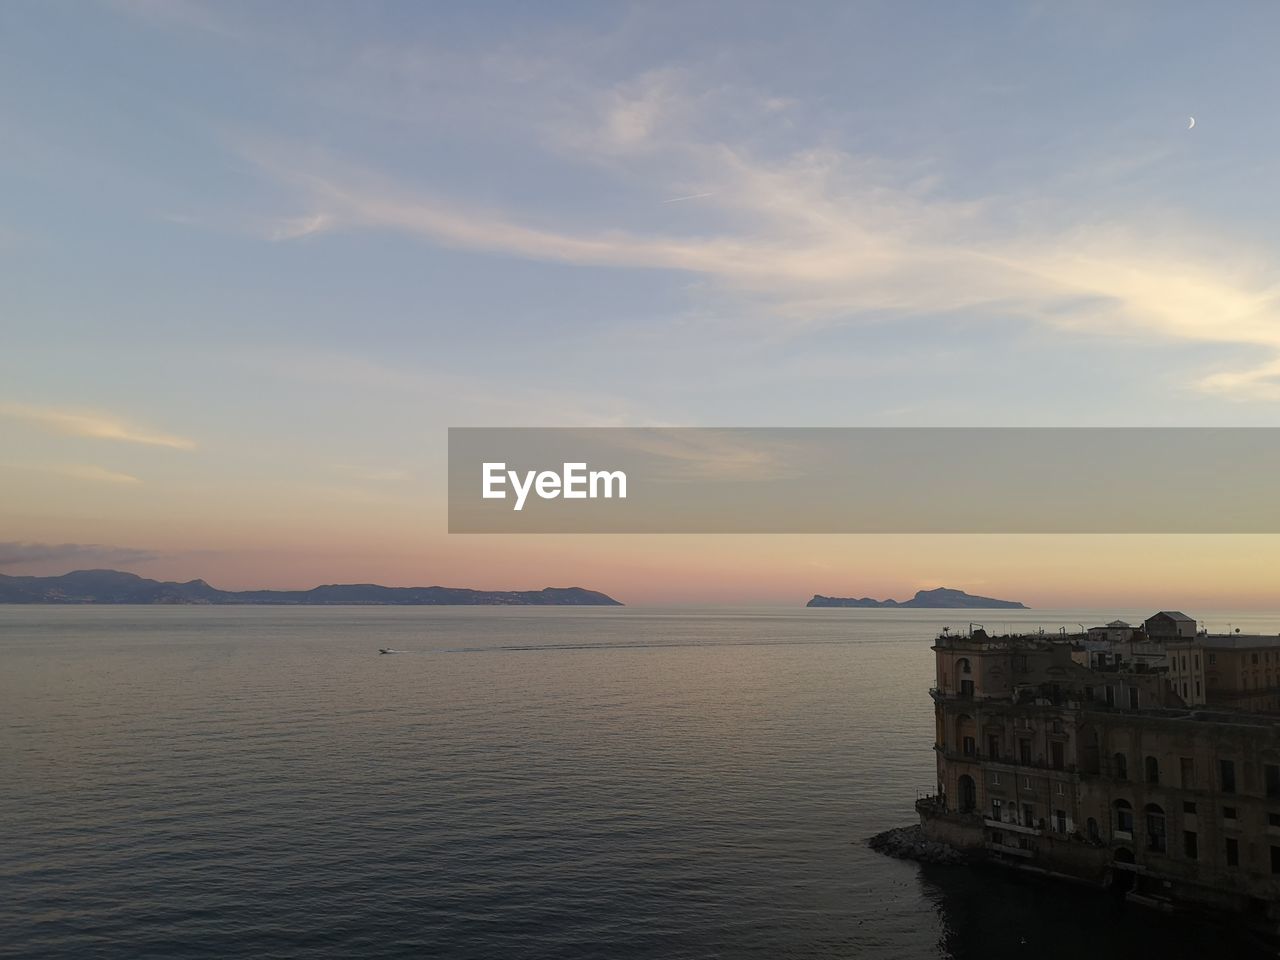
(258, 258)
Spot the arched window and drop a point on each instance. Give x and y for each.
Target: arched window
(1155, 828)
(962, 665)
(1091, 830)
(1152, 770)
(1121, 766)
(1124, 816)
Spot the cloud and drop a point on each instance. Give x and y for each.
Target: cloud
(97, 425)
(294, 228)
(88, 471)
(16, 552)
(637, 114)
(814, 239)
(799, 230)
(1260, 383)
(182, 14)
(684, 454)
(444, 391)
(797, 237)
(373, 474)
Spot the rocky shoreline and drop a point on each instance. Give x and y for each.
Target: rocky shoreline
(910, 843)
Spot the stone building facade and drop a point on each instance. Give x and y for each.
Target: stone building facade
(1104, 775)
(1236, 671)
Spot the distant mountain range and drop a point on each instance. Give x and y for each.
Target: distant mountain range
(943, 598)
(113, 586)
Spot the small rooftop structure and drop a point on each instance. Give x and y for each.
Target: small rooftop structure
(1169, 624)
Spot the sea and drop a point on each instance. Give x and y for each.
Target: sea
(236, 782)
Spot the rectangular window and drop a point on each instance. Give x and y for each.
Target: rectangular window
(1155, 833)
(1272, 773)
(1060, 818)
(1190, 845)
(1133, 698)
(1055, 752)
(1196, 661)
(1197, 688)
(1024, 752)
(1188, 766)
(1111, 696)
(966, 688)
(1213, 658)
(1028, 815)
(1273, 819)
(995, 810)
(1227, 775)
(1228, 813)
(968, 747)
(995, 779)
(993, 747)
(1275, 859)
(1233, 852)
(1189, 806)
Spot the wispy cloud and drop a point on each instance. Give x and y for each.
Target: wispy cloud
(372, 474)
(815, 239)
(1259, 383)
(181, 14)
(100, 426)
(817, 235)
(15, 552)
(470, 397)
(682, 454)
(90, 472)
(294, 228)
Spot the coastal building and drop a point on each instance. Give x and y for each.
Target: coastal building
(1106, 772)
(1235, 671)
(1118, 645)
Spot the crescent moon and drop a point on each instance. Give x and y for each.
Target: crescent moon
(1192, 123)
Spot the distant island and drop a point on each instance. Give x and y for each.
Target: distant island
(943, 598)
(113, 586)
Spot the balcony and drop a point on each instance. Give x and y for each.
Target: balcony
(1012, 764)
(937, 693)
(937, 807)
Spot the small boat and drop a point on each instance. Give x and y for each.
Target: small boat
(387, 650)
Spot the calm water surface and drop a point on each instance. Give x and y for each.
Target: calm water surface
(244, 782)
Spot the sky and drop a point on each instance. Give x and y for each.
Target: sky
(257, 258)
